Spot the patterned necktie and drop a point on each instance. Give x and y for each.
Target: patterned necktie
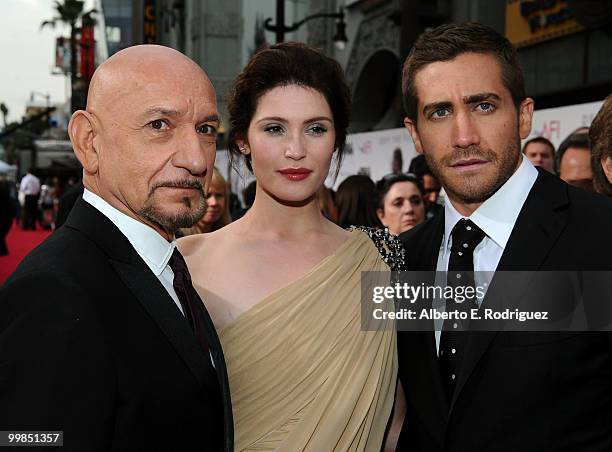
(466, 237)
(189, 298)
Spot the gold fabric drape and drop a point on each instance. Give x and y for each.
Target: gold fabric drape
(302, 373)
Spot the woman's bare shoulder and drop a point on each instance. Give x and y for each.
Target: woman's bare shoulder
(208, 243)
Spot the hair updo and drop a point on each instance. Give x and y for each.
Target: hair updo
(284, 64)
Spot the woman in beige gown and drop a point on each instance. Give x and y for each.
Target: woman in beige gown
(282, 284)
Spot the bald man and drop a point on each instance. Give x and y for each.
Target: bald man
(102, 335)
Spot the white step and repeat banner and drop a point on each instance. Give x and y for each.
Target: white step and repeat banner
(557, 123)
(371, 153)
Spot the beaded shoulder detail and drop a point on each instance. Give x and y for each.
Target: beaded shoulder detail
(388, 245)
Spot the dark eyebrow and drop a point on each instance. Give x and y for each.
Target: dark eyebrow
(436, 106)
(279, 119)
(471, 99)
(318, 118)
(212, 118)
(162, 110)
(480, 97)
(173, 112)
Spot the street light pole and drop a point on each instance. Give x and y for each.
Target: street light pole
(280, 28)
(280, 21)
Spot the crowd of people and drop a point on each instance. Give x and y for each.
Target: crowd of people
(248, 334)
(30, 203)
(584, 158)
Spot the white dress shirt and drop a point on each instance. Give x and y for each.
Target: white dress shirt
(148, 243)
(30, 185)
(496, 217)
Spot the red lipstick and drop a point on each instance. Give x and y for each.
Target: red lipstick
(295, 174)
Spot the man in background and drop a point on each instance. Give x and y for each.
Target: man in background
(30, 191)
(431, 185)
(541, 152)
(574, 157)
(6, 214)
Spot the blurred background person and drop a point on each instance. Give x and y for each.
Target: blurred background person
(430, 184)
(217, 212)
(356, 202)
(600, 136)
(397, 164)
(248, 198)
(574, 157)
(6, 214)
(541, 152)
(30, 191)
(327, 204)
(401, 204)
(47, 201)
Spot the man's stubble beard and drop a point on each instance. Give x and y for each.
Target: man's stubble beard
(467, 189)
(171, 223)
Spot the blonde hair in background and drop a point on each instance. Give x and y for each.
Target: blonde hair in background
(217, 181)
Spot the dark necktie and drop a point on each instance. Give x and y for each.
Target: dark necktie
(189, 298)
(194, 312)
(466, 236)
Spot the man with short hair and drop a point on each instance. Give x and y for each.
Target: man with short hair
(431, 185)
(102, 335)
(467, 112)
(541, 152)
(575, 161)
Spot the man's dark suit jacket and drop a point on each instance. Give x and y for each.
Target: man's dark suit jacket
(67, 202)
(518, 391)
(91, 343)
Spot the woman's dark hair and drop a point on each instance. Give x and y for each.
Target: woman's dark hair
(288, 63)
(384, 185)
(356, 202)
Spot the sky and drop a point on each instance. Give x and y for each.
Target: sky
(27, 54)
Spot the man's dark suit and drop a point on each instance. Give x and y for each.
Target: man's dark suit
(518, 391)
(91, 343)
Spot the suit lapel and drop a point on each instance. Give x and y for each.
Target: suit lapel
(157, 302)
(425, 388)
(539, 224)
(142, 283)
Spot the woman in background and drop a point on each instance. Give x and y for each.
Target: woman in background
(401, 203)
(325, 197)
(217, 208)
(283, 283)
(356, 202)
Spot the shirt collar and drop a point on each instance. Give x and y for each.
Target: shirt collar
(148, 243)
(497, 215)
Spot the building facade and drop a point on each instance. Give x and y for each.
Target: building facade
(564, 45)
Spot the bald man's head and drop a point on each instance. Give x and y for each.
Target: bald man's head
(134, 66)
(147, 139)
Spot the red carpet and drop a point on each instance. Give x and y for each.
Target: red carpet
(19, 244)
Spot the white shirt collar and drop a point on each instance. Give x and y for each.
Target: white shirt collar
(497, 215)
(148, 243)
